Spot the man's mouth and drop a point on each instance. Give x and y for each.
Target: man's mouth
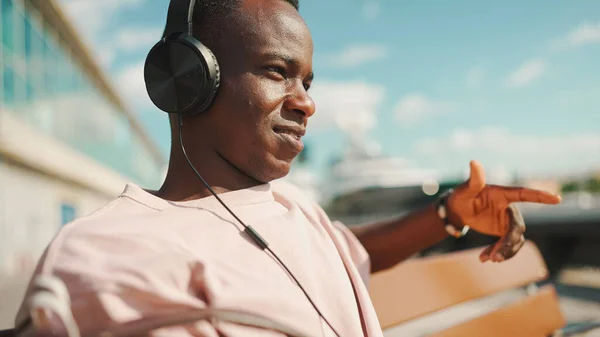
(291, 135)
(294, 131)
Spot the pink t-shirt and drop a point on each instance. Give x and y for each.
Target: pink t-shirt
(142, 256)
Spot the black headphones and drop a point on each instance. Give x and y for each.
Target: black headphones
(182, 75)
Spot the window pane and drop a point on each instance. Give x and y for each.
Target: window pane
(63, 74)
(18, 25)
(29, 91)
(50, 86)
(19, 85)
(7, 24)
(50, 63)
(67, 213)
(9, 85)
(38, 54)
(28, 36)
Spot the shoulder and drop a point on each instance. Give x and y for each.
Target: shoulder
(285, 188)
(112, 215)
(121, 207)
(285, 191)
(288, 193)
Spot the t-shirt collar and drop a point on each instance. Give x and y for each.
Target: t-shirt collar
(257, 194)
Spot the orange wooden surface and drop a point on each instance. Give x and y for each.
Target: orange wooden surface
(534, 316)
(421, 286)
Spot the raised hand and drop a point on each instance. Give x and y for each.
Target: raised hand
(487, 209)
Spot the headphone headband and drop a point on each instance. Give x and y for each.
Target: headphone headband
(179, 17)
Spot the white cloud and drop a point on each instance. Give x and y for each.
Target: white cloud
(92, 19)
(92, 16)
(371, 10)
(503, 148)
(527, 73)
(356, 55)
(475, 77)
(137, 38)
(350, 106)
(130, 81)
(585, 33)
(414, 107)
(106, 56)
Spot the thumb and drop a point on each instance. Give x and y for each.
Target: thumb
(476, 181)
(485, 254)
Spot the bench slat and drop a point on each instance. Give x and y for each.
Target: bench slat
(538, 315)
(421, 286)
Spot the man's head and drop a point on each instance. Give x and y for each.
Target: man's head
(212, 16)
(264, 50)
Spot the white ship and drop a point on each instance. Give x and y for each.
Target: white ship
(364, 185)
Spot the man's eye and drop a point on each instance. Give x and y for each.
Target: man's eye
(278, 70)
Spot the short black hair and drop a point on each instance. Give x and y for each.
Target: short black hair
(211, 16)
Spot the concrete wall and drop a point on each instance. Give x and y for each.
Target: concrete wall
(31, 214)
(38, 176)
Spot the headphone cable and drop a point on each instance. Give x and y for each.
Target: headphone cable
(251, 232)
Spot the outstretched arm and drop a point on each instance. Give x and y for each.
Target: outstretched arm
(487, 209)
(389, 242)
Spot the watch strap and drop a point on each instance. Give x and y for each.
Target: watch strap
(442, 212)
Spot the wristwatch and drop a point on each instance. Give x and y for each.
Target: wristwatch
(443, 214)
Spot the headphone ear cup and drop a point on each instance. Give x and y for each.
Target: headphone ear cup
(213, 79)
(181, 75)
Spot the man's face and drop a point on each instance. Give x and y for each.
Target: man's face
(262, 107)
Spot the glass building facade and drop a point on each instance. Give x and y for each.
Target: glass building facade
(45, 85)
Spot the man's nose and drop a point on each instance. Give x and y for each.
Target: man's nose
(300, 102)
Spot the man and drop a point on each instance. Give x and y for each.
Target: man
(153, 253)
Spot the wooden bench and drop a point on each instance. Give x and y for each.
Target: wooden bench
(419, 290)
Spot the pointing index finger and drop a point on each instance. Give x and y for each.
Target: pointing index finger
(523, 194)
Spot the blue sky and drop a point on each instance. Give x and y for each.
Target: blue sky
(515, 84)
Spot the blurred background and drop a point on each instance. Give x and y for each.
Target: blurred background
(407, 92)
